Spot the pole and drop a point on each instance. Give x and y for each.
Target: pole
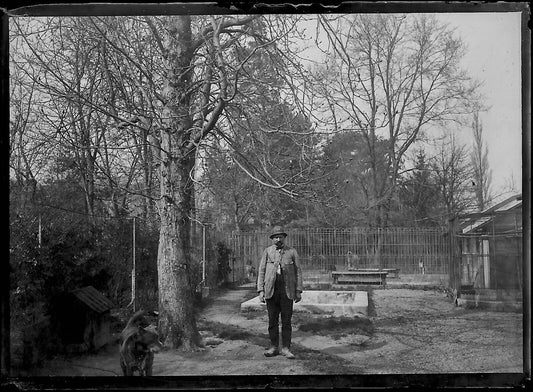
(203, 256)
(455, 278)
(40, 231)
(133, 288)
(133, 283)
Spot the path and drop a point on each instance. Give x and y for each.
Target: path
(416, 331)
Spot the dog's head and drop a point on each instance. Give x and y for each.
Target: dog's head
(150, 338)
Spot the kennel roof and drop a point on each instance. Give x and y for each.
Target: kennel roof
(94, 299)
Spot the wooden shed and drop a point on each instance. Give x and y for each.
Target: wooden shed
(85, 320)
(491, 252)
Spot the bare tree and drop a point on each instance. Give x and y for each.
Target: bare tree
(85, 93)
(124, 90)
(61, 68)
(480, 164)
(25, 153)
(276, 146)
(226, 192)
(389, 77)
(205, 63)
(452, 173)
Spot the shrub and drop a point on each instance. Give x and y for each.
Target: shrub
(223, 262)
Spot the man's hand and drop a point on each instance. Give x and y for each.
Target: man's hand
(262, 296)
(298, 297)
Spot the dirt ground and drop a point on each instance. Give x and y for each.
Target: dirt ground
(407, 331)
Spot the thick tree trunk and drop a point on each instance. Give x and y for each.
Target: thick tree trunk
(176, 311)
(177, 323)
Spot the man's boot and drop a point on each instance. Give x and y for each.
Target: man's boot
(271, 352)
(287, 353)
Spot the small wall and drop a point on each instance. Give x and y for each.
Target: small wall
(336, 303)
(496, 300)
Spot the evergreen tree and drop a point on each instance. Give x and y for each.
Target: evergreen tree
(418, 194)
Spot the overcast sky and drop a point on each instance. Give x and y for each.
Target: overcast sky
(494, 56)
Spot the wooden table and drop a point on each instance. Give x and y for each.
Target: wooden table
(378, 277)
(393, 272)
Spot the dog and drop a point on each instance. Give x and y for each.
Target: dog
(352, 261)
(139, 342)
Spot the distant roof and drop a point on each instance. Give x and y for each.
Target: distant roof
(509, 205)
(480, 219)
(94, 299)
(477, 223)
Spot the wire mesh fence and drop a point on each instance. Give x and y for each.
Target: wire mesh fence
(490, 255)
(322, 250)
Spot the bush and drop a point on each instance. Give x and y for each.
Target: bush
(70, 256)
(223, 262)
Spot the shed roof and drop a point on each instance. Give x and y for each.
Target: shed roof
(94, 299)
(477, 221)
(509, 205)
(476, 224)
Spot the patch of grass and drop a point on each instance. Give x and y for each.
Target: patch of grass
(338, 336)
(398, 320)
(338, 326)
(253, 314)
(234, 334)
(320, 362)
(225, 331)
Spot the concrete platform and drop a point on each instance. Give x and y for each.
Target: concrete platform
(489, 299)
(336, 303)
(497, 306)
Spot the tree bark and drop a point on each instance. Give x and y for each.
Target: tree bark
(177, 323)
(176, 313)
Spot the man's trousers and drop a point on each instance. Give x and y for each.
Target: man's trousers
(279, 304)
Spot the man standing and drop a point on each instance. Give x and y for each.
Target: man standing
(279, 283)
